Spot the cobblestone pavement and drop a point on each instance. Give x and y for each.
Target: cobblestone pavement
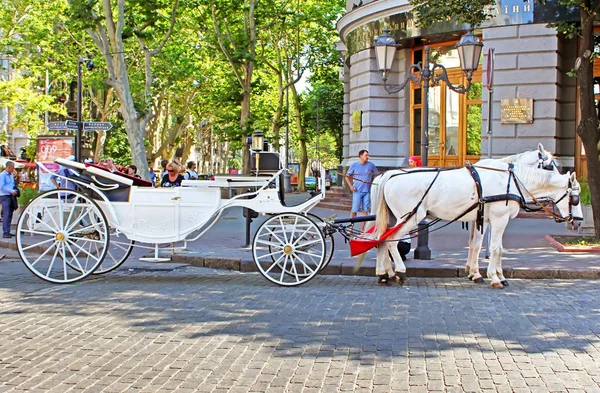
(199, 330)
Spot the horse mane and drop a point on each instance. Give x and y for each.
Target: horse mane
(515, 157)
(533, 177)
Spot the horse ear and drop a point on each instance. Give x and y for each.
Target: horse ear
(573, 177)
(540, 148)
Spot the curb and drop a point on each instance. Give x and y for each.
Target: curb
(562, 248)
(248, 265)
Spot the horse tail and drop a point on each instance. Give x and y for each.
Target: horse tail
(382, 214)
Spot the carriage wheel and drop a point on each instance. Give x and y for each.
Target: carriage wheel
(329, 242)
(118, 252)
(329, 248)
(289, 249)
(62, 236)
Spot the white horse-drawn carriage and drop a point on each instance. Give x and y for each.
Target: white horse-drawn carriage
(65, 235)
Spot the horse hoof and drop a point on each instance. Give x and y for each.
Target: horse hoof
(479, 280)
(383, 279)
(400, 278)
(470, 277)
(497, 285)
(505, 283)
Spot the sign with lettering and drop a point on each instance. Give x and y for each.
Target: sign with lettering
(357, 121)
(516, 111)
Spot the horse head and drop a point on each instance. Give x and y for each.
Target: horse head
(545, 159)
(567, 201)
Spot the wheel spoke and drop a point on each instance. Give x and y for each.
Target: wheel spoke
(303, 263)
(38, 220)
(44, 254)
(275, 235)
(75, 258)
(84, 251)
(67, 223)
(270, 254)
(37, 244)
(57, 228)
(53, 259)
(276, 263)
(283, 229)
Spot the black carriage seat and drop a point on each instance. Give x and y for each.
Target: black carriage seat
(106, 181)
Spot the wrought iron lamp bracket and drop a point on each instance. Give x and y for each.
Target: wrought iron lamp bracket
(443, 76)
(410, 76)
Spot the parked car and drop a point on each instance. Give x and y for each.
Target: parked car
(310, 182)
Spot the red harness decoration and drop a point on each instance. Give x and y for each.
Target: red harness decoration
(359, 246)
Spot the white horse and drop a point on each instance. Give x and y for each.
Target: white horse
(448, 194)
(540, 158)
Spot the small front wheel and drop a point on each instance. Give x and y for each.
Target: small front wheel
(62, 236)
(289, 249)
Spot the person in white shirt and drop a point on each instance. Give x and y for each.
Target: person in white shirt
(191, 173)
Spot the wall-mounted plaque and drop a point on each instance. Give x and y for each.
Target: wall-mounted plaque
(516, 111)
(357, 121)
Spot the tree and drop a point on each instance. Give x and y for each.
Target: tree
(474, 13)
(110, 28)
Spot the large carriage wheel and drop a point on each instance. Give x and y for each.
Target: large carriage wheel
(289, 249)
(329, 243)
(119, 250)
(62, 236)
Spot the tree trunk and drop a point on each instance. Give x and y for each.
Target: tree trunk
(302, 139)
(245, 114)
(588, 125)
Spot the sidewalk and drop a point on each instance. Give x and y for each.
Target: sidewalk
(526, 253)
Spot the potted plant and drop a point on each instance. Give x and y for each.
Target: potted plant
(586, 206)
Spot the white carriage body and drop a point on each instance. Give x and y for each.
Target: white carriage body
(165, 215)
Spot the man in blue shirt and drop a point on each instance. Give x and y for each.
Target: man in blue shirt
(7, 191)
(362, 173)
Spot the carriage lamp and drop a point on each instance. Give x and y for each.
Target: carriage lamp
(258, 140)
(425, 75)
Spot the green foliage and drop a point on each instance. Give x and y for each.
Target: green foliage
(116, 146)
(471, 12)
(28, 104)
(27, 195)
(474, 121)
(584, 194)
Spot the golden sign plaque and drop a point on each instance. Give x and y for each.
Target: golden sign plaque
(516, 111)
(357, 121)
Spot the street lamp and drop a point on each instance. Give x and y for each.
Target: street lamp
(258, 140)
(90, 66)
(424, 75)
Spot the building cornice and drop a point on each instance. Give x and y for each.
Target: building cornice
(370, 12)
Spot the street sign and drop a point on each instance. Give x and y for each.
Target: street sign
(57, 126)
(71, 124)
(97, 126)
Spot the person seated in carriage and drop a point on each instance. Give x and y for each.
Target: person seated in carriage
(61, 182)
(173, 178)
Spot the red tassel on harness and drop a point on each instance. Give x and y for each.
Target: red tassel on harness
(358, 246)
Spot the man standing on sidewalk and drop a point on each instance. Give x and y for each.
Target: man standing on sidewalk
(7, 191)
(362, 173)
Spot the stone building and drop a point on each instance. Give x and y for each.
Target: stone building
(534, 100)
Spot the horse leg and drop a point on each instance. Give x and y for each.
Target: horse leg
(497, 227)
(400, 267)
(470, 255)
(474, 250)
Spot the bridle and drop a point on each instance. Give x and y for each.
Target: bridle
(573, 200)
(542, 158)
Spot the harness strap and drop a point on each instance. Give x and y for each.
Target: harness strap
(477, 180)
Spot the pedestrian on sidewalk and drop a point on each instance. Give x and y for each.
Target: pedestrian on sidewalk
(362, 173)
(7, 192)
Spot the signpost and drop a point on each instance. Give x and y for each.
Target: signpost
(72, 124)
(79, 127)
(57, 126)
(97, 126)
